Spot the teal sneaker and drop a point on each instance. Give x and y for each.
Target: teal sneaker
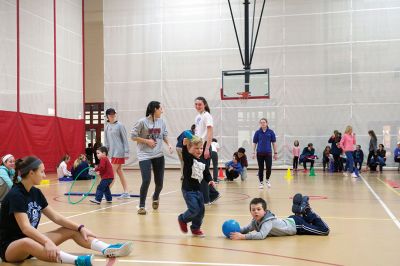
(118, 250)
(84, 260)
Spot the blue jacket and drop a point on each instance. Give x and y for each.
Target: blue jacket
(84, 175)
(236, 166)
(396, 153)
(264, 140)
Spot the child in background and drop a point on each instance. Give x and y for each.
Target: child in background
(62, 170)
(296, 154)
(264, 223)
(194, 169)
(243, 162)
(325, 157)
(358, 155)
(233, 168)
(214, 158)
(105, 170)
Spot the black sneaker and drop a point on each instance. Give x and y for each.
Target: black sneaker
(300, 204)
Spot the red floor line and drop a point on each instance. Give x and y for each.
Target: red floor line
(228, 249)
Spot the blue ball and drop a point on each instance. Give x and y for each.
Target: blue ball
(229, 227)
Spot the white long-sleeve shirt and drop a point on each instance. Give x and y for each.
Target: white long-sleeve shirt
(62, 170)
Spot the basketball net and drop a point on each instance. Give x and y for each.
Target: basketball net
(243, 96)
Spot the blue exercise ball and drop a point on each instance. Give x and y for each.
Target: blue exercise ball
(229, 227)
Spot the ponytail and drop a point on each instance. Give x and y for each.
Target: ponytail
(24, 166)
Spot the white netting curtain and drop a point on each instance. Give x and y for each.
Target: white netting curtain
(69, 59)
(8, 54)
(332, 63)
(36, 35)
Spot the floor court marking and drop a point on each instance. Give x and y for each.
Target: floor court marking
(388, 186)
(388, 211)
(226, 249)
(242, 215)
(185, 262)
(104, 208)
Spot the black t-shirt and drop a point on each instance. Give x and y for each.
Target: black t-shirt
(20, 200)
(194, 170)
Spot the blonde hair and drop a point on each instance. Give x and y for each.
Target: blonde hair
(79, 160)
(348, 129)
(195, 141)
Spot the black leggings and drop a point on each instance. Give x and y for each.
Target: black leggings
(267, 159)
(295, 162)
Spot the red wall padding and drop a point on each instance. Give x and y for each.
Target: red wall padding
(46, 137)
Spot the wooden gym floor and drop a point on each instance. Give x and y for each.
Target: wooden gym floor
(363, 216)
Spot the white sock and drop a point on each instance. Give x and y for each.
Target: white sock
(67, 258)
(98, 245)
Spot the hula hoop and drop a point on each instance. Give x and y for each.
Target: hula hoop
(84, 196)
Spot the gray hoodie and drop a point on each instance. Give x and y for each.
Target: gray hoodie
(116, 141)
(269, 226)
(146, 129)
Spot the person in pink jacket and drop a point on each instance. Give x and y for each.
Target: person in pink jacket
(347, 144)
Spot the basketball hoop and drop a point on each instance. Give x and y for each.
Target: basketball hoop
(243, 96)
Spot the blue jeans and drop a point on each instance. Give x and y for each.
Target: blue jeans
(104, 188)
(349, 161)
(195, 212)
(158, 170)
(310, 224)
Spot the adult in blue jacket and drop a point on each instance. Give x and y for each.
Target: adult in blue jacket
(397, 153)
(263, 141)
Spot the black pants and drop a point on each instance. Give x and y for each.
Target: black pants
(209, 192)
(337, 163)
(232, 174)
(370, 155)
(295, 162)
(158, 170)
(305, 161)
(214, 158)
(325, 163)
(358, 163)
(267, 159)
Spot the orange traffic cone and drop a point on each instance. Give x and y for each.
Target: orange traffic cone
(221, 174)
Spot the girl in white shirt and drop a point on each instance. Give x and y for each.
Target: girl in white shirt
(62, 170)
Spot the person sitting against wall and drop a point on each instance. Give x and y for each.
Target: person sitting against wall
(381, 154)
(81, 168)
(7, 172)
(308, 156)
(396, 154)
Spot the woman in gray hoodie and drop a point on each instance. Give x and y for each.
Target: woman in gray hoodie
(116, 141)
(149, 133)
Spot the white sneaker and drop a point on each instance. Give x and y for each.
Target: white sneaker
(354, 175)
(124, 195)
(268, 184)
(345, 174)
(261, 186)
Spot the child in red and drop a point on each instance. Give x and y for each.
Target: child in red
(104, 169)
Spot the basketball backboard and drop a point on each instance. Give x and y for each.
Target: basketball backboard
(233, 84)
